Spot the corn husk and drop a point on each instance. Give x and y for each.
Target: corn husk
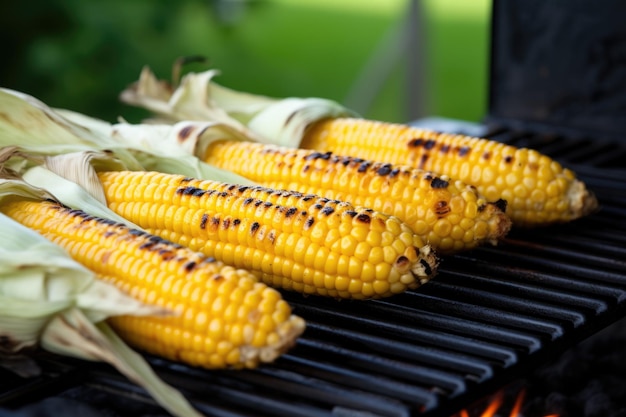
(49, 300)
(260, 118)
(40, 130)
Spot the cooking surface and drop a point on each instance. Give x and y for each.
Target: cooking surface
(491, 315)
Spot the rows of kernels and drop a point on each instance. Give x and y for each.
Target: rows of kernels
(521, 176)
(169, 276)
(407, 194)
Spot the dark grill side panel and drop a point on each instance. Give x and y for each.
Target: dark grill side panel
(492, 315)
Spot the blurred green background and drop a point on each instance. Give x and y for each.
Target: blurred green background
(80, 55)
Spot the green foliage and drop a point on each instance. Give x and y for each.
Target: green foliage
(80, 55)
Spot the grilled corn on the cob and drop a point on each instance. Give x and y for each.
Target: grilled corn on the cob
(449, 215)
(291, 240)
(223, 317)
(538, 189)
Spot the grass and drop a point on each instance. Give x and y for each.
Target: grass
(344, 50)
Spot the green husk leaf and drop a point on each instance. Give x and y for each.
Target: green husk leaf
(260, 118)
(49, 300)
(39, 130)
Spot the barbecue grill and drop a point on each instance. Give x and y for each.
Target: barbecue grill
(558, 84)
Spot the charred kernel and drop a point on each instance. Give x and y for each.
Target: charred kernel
(186, 179)
(215, 221)
(464, 150)
(422, 161)
(501, 204)
(203, 221)
(308, 197)
(268, 204)
(414, 143)
(508, 159)
(189, 266)
(384, 170)
(291, 211)
(255, 226)
(242, 188)
(236, 222)
(426, 266)
(318, 206)
(364, 218)
(231, 187)
(351, 213)
(328, 211)
(438, 183)
(306, 168)
(258, 203)
(226, 223)
(364, 166)
(402, 261)
(394, 173)
(442, 208)
(429, 144)
(445, 148)
(248, 201)
(309, 222)
(486, 155)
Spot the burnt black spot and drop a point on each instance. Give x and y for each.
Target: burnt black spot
(217, 277)
(486, 155)
(438, 183)
(303, 213)
(328, 211)
(481, 208)
(306, 168)
(364, 218)
(215, 221)
(429, 144)
(87, 219)
(185, 132)
(231, 187)
(508, 159)
(318, 155)
(444, 148)
(203, 221)
(226, 223)
(194, 191)
(414, 143)
(223, 194)
(258, 203)
(351, 213)
(268, 204)
(248, 201)
(318, 206)
(242, 188)
(136, 232)
(236, 222)
(345, 161)
(186, 179)
(309, 222)
(189, 266)
(308, 197)
(426, 266)
(255, 226)
(384, 170)
(147, 245)
(394, 173)
(364, 166)
(291, 211)
(464, 150)
(271, 236)
(501, 204)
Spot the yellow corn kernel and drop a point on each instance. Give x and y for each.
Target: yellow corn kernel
(488, 165)
(251, 210)
(202, 293)
(417, 197)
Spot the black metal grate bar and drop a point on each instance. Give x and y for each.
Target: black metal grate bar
(491, 314)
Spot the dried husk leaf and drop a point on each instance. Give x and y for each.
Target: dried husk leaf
(261, 118)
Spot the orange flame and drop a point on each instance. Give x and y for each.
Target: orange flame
(496, 402)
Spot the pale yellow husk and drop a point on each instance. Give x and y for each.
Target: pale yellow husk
(49, 300)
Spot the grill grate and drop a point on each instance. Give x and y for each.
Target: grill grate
(490, 316)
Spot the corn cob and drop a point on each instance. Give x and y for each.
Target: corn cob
(224, 317)
(538, 190)
(293, 241)
(449, 215)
